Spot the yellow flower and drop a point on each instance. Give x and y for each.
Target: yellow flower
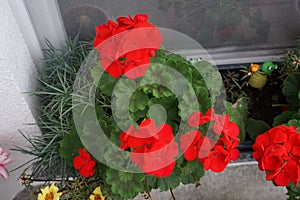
(49, 193)
(254, 67)
(97, 194)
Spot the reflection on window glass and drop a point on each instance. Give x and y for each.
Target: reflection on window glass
(213, 23)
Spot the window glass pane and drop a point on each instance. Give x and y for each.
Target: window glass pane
(254, 24)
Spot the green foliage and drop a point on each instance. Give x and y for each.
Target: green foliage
(124, 184)
(165, 183)
(238, 113)
(191, 172)
(171, 83)
(291, 88)
(293, 192)
(256, 127)
(294, 122)
(234, 82)
(69, 146)
(81, 188)
(291, 62)
(55, 119)
(283, 118)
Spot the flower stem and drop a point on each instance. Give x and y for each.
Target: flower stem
(172, 194)
(147, 188)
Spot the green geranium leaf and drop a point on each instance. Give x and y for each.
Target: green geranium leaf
(294, 122)
(103, 80)
(170, 105)
(191, 172)
(256, 127)
(139, 115)
(188, 106)
(293, 191)
(158, 114)
(165, 183)
(291, 88)
(70, 145)
(211, 76)
(238, 113)
(283, 118)
(138, 101)
(177, 58)
(160, 53)
(124, 184)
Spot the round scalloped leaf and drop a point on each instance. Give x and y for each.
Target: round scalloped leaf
(124, 184)
(70, 145)
(213, 78)
(291, 88)
(294, 122)
(256, 127)
(238, 113)
(283, 118)
(165, 183)
(138, 101)
(191, 171)
(103, 80)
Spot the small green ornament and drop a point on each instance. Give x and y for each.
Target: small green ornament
(268, 67)
(258, 78)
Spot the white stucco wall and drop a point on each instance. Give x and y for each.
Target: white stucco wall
(17, 76)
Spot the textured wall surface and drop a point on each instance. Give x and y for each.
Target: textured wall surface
(17, 76)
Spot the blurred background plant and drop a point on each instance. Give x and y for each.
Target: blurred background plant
(229, 22)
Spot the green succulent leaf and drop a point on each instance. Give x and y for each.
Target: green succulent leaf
(256, 127)
(124, 184)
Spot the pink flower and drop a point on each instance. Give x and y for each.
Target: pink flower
(4, 160)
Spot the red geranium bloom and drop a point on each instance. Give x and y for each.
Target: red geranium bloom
(84, 164)
(197, 118)
(126, 47)
(219, 155)
(223, 125)
(189, 144)
(157, 159)
(153, 149)
(214, 154)
(277, 152)
(285, 174)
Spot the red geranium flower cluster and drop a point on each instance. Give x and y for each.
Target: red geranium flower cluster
(153, 149)
(277, 152)
(214, 155)
(125, 47)
(84, 164)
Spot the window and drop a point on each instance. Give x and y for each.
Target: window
(231, 31)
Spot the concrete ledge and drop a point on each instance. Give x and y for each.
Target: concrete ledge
(243, 181)
(237, 182)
